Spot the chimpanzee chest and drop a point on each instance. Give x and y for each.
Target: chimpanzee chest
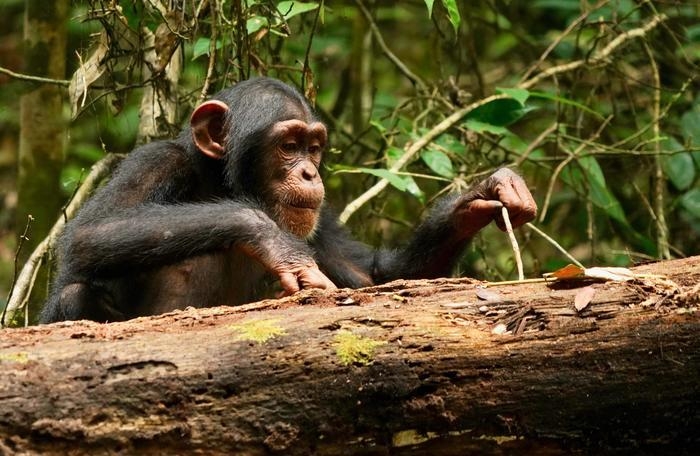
(226, 277)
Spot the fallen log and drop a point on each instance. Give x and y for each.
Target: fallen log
(411, 367)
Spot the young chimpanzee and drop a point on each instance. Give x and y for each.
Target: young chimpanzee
(203, 219)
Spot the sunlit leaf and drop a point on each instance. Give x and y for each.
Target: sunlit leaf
(481, 127)
(429, 5)
(378, 125)
(566, 101)
(413, 188)
(201, 47)
(438, 162)
(452, 13)
(255, 23)
(394, 179)
(519, 95)
(393, 154)
(289, 9)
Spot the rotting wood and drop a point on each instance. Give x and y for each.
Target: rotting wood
(429, 377)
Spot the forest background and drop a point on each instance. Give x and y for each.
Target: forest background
(595, 103)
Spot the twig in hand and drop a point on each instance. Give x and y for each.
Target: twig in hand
(513, 243)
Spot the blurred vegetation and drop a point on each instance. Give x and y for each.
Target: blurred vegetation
(597, 104)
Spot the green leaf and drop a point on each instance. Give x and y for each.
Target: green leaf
(201, 47)
(378, 125)
(519, 95)
(691, 202)
(255, 23)
(394, 179)
(452, 13)
(450, 143)
(289, 9)
(692, 32)
(481, 127)
(393, 154)
(690, 126)
(438, 162)
(586, 177)
(429, 5)
(500, 113)
(679, 166)
(566, 101)
(413, 188)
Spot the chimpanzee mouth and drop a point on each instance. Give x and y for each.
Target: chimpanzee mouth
(304, 204)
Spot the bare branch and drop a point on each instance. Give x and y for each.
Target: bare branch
(25, 281)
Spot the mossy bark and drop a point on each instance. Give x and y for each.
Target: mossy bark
(405, 368)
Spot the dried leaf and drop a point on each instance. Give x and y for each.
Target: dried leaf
(611, 273)
(583, 298)
(488, 295)
(575, 272)
(567, 272)
(87, 73)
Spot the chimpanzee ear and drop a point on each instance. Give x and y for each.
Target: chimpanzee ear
(207, 123)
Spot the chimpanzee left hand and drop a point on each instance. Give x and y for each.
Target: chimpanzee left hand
(483, 202)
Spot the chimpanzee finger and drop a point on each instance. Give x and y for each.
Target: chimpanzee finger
(289, 283)
(516, 197)
(314, 278)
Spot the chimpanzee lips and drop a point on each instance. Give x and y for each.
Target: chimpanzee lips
(304, 204)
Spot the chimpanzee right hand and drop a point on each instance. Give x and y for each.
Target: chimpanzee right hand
(483, 202)
(301, 276)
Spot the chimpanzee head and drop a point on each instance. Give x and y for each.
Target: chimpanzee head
(271, 143)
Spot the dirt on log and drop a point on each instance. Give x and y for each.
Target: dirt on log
(412, 367)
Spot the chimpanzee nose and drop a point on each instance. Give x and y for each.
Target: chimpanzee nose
(309, 173)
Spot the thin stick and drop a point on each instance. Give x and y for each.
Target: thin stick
(20, 243)
(513, 243)
(555, 244)
(27, 77)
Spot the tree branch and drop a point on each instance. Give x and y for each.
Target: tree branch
(22, 288)
(26, 77)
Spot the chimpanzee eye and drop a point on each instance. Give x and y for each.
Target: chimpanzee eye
(289, 146)
(313, 149)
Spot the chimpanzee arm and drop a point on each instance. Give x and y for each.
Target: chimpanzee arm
(437, 242)
(156, 234)
(432, 252)
(145, 217)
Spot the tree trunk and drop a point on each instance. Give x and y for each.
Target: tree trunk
(423, 367)
(42, 124)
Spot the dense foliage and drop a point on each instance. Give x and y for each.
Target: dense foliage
(595, 103)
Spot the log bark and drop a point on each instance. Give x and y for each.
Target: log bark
(411, 367)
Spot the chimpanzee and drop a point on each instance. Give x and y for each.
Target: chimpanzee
(203, 219)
